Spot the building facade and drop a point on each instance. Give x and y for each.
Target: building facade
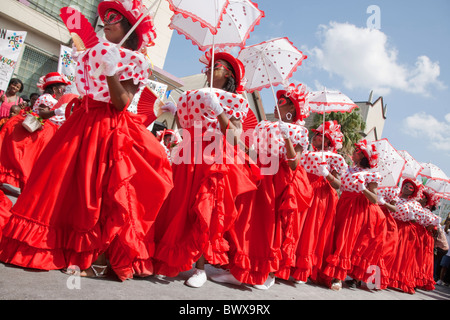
(46, 33)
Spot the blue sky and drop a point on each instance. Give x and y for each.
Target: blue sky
(406, 61)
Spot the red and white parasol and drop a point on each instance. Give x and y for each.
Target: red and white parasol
(270, 63)
(208, 13)
(433, 172)
(390, 163)
(329, 101)
(239, 20)
(412, 167)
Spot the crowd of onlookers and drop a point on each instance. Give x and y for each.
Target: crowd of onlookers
(442, 255)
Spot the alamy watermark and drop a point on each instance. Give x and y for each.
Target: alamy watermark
(374, 21)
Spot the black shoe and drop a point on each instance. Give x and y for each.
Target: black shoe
(353, 283)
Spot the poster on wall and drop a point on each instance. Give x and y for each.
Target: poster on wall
(11, 47)
(66, 66)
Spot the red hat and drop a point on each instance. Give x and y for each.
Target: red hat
(132, 10)
(236, 64)
(432, 197)
(52, 78)
(417, 187)
(299, 97)
(370, 152)
(332, 132)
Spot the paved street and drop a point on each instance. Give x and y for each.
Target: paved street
(25, 284)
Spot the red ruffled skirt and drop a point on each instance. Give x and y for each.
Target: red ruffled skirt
(265, 237)
(389, 247)
(360, 231)
(402, 273)
(424, 258)
(19, 149)
(317, 231)
(97, 188)
(202, 206)
(5, 206)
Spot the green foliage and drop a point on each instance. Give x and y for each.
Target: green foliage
(352, 127)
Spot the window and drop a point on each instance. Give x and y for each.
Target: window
(51, 7)
(35, 64)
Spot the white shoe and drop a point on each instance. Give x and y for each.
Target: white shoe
(226, 277)
(197, 279)
(336, 286)
(269, 282)
(440, 282)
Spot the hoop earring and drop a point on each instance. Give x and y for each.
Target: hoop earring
(289, 116)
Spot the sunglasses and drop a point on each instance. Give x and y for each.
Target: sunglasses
(112, 17)
(217, 66)
(283, 101)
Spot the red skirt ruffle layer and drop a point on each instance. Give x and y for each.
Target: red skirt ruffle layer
(5, 206)
(201, 208)
(265, 236)
(97, 187)
(317, 232)
(360, 231)
(424, 259)
(19, 149)
(389, 247)
(402, 272)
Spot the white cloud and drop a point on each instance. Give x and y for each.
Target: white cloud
(428, 127)
(363, 58)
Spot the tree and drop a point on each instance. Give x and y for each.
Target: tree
(352, 127)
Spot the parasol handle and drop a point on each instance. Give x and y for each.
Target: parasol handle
(323, 133)
(99, 71)
(271, 86)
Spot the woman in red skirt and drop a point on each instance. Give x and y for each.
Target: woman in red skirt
(426, 226)
(19, 148)
(88, 199)
(387, 199)
(360, 223)
(208, 177)
(402, 268)
(265, 236)
(324, 171)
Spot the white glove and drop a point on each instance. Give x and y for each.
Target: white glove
(212, 101)
(284, 129)
(381, 200)
(74, 54)
(361, 185)
(169, 107)
(59, 112)
(323, 170)
(110, 60)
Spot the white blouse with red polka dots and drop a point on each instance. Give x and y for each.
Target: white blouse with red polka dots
(389, 193)
(132, 65)
(268, 139)
(335, 162)
(353, 174)
(427, 218)
(407, 210)
(192, 107)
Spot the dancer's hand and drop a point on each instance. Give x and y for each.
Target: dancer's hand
(213, 102)
(169, 107)
(323, 170)
(284, 129)
(110, 59)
